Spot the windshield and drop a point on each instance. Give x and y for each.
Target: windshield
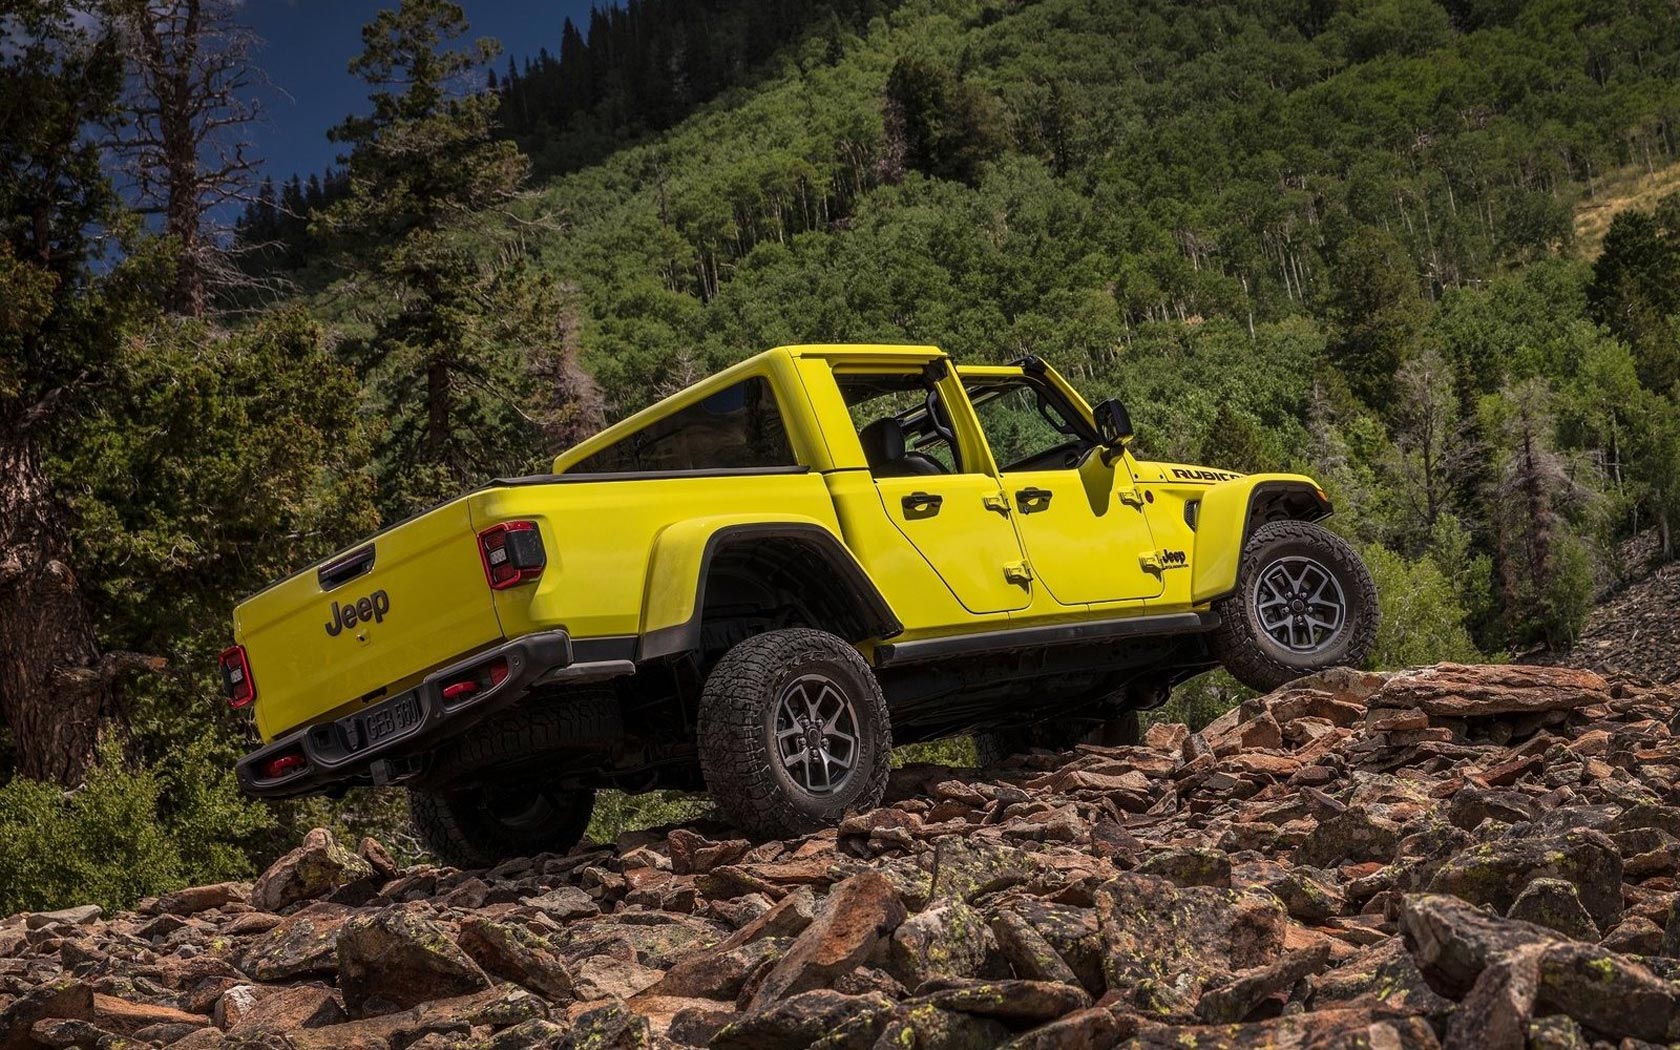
(1028, 424)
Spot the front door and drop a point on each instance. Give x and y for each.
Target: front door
(933, 485)
(1080, 517)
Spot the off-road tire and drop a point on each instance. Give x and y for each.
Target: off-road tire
(739, 758)
(463, 819)
(1254, 657)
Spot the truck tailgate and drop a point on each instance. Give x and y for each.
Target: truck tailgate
(410, 599)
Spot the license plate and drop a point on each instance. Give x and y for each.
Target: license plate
(389, 720)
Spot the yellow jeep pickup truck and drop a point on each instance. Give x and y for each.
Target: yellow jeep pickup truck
(761, 583)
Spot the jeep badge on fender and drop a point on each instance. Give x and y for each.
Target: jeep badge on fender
(373, 607)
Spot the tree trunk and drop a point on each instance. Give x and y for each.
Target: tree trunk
(54, 687)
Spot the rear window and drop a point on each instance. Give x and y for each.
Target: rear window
(737, 428)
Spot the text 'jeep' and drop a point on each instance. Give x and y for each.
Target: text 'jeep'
(762, 583)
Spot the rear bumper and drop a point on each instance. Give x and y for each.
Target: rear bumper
(370, 746)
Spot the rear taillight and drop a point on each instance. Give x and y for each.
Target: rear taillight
(479, 680)
(237, 682)
(513, 554)
(280, 765)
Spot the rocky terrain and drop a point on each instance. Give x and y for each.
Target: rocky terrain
(1457, 856)
(1631, 631)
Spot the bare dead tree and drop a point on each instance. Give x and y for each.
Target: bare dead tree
(185, 153)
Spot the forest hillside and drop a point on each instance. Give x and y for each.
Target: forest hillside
(1425, 251)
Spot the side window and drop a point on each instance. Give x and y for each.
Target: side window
(902, 425)
(1029, 427)
(736, 428)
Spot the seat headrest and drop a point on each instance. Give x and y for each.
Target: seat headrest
(883, 442)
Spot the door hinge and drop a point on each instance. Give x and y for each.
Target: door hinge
(1149, 562)
(1131, 497)
(1017, 572)
(998, 502)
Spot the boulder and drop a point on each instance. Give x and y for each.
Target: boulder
(852, 928)
(396, 958)
(312, 871)
(1164, 945)
(1495, 873)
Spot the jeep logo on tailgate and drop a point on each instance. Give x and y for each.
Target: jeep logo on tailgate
(373, 607)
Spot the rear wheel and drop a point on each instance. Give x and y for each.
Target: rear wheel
(1304, 601)
(488, 795)
(793, 733)
(478, 826)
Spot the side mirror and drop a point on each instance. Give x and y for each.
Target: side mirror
(1114, 423)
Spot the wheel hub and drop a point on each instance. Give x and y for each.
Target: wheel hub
(816, 733)
(1299, 604)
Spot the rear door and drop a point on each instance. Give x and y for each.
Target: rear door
(1080, 518)
(933, 483)
(380, 615)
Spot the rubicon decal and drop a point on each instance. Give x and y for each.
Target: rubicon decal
(373, 607)
(1187, 474)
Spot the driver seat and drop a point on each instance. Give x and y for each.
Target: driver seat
(884, 448)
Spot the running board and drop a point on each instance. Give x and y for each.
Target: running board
(893, 654)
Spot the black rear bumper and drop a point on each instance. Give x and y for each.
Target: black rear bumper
(377, 744)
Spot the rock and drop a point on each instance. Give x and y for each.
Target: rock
(948, 940)
(1635, 935)
(564, 903)
(283, 1010)
(378, 858)
(717, 973)
(306, 942)
(1556, 905)
(517, 953)
(1350, 1029)
(1235, 999)
(797, 1021)
(124, 1018)
(1018, 1003)
(65, 999)
(1351, 835)
(1460, 691)
(1496, 1013)
(1494, 873)
(1028, 953)
(1151, 929)
(67, 916)
(195, 899)
(1608, 993)
(1191, 866)
(603, 977)
(1453, 941)
(1092, 1029)
(1307, 898)
(313, 870)
(852, 928)
(396, 958)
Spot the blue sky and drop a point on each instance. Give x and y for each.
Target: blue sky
(308, 43)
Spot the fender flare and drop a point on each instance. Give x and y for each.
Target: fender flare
(681, 563)
(1230, 512)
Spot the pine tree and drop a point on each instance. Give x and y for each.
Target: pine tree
(426, 213)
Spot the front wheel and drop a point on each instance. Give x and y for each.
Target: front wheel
(793, 733)
(1304, 602)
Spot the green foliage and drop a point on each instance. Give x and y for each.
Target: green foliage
(1423, 621)
(128, 832)
(617, 813)
(1200, 700)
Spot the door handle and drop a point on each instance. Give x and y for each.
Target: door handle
(1032, 499)
(922, 503)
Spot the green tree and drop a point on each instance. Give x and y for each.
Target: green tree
(454, 362)
(936, 122)
(1377, 309)
(61, 318)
